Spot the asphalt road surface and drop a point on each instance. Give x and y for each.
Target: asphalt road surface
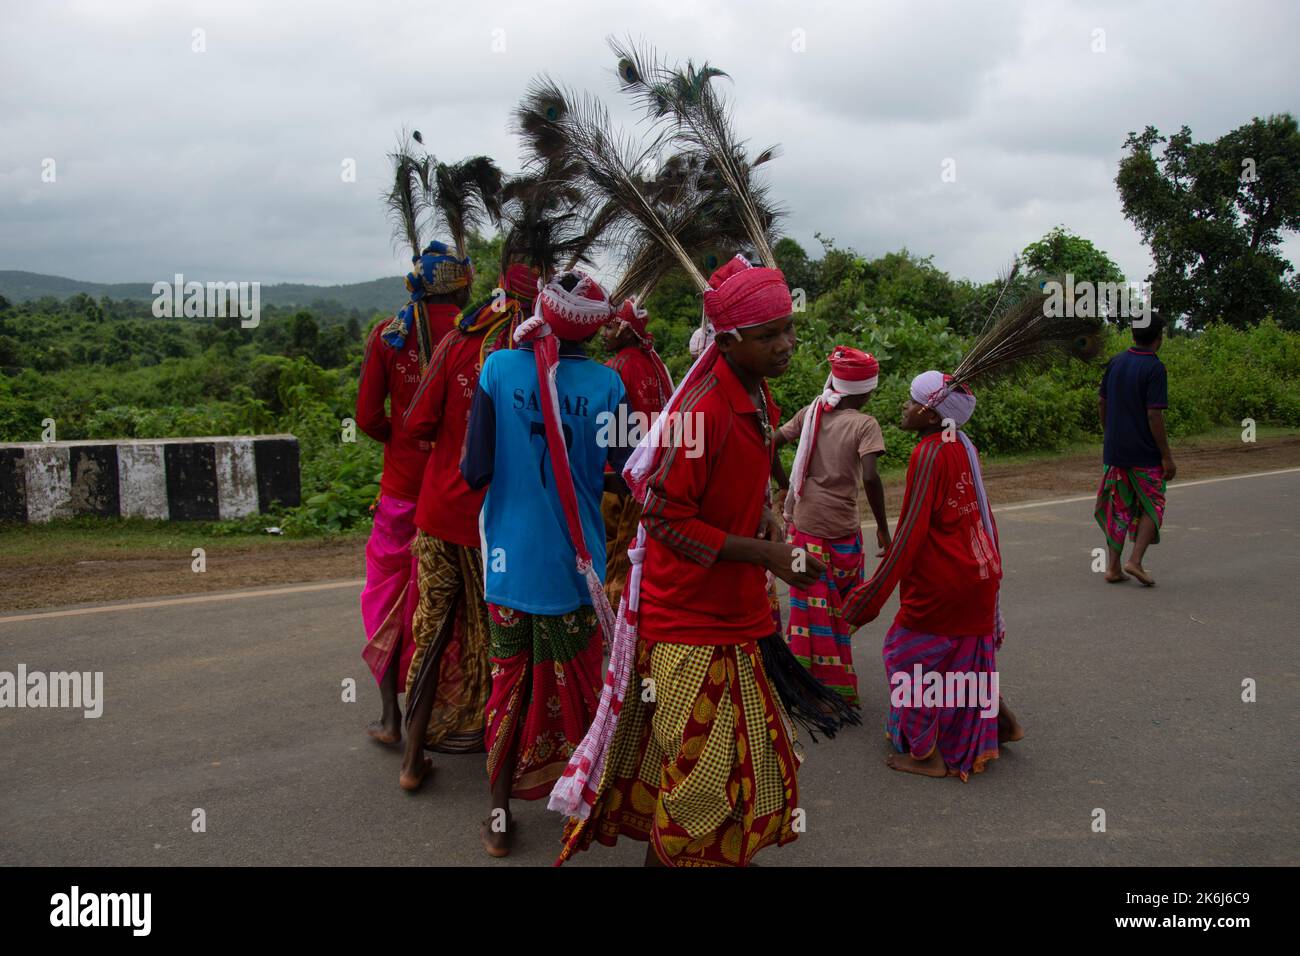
(1131, 697)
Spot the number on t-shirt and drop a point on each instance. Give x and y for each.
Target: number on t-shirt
(536, 429)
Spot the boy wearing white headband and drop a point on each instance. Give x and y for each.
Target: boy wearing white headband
(838, 447)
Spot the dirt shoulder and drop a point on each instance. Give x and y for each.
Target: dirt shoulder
(42, 568)
(94, 571)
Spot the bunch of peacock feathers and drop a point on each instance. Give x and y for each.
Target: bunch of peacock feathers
(549, 226)
(1019, 334)
(429, 197)
(655, 215)
(683, 101)
(433, 198)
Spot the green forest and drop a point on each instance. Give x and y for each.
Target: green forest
(106, 368)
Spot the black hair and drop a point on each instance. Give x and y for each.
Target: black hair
(1148, 334)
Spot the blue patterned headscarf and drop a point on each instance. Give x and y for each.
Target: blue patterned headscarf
(437, 272)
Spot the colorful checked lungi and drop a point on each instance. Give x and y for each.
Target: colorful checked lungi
(702, 763)
(818, 636)
(388, 600)
(966, 739)
(451, 629)
(546, 684)
(1124, 496)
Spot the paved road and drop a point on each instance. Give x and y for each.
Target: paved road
(1131, 697)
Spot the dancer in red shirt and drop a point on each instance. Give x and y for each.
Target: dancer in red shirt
(396, 356)
(706, 774)
(946, 714)
(450, 675)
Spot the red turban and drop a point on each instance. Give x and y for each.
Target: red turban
(635, 316)
(852, 370)
(520, 281)
(742, 295)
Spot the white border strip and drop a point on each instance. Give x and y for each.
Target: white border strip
(1181, 484)
(195, 599)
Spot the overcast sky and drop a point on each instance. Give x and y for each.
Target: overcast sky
(226, 163)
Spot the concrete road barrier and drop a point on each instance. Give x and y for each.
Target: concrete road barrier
(181, 479)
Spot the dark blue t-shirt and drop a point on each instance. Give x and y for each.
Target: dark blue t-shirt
(1133, 382)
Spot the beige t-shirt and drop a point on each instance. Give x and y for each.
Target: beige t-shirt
(829, 506)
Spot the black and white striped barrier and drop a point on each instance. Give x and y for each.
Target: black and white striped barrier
(181, 479)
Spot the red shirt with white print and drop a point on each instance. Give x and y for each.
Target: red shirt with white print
(941, 558)
(439, 412)
(391, 376)
(640, 379)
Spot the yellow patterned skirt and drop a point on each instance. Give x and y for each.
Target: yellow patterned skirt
(450, 629)
(702, 763)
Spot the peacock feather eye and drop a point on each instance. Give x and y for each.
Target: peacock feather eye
(627, 70)
(552, 113)
(711, 262)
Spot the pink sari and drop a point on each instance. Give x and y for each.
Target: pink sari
(391, 593)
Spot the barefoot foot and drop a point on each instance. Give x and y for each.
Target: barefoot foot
(385, 733)
(1115, 577)
(411, 779)
(1140, 573)
(496, 842)
(931, 766)
(1009, 729)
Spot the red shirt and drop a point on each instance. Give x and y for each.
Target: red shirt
(688, 595)
(941, 553)
(640, 378)
(448, 508)
(387, 373)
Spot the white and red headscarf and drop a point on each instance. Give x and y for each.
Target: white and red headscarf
(935, 390)
(634, 317)
(853, 372)
(569, 314)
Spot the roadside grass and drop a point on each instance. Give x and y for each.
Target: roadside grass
(68, 540)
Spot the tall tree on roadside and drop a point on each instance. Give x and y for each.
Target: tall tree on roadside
(1213, 215)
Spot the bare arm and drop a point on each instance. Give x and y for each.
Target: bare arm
(875, 490)
(1156, 419)
(792, 565)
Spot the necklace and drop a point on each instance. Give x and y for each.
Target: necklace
(764, 421)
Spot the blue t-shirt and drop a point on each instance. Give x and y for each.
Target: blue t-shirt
(528, 557)
(1133, 382)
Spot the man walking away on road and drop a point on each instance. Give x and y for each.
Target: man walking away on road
(1138, 464)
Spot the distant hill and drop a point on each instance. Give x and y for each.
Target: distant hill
(378, 295)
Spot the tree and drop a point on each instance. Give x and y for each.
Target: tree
(1213, 215)
(800, 272)
(1061, 251)
(304, 334)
